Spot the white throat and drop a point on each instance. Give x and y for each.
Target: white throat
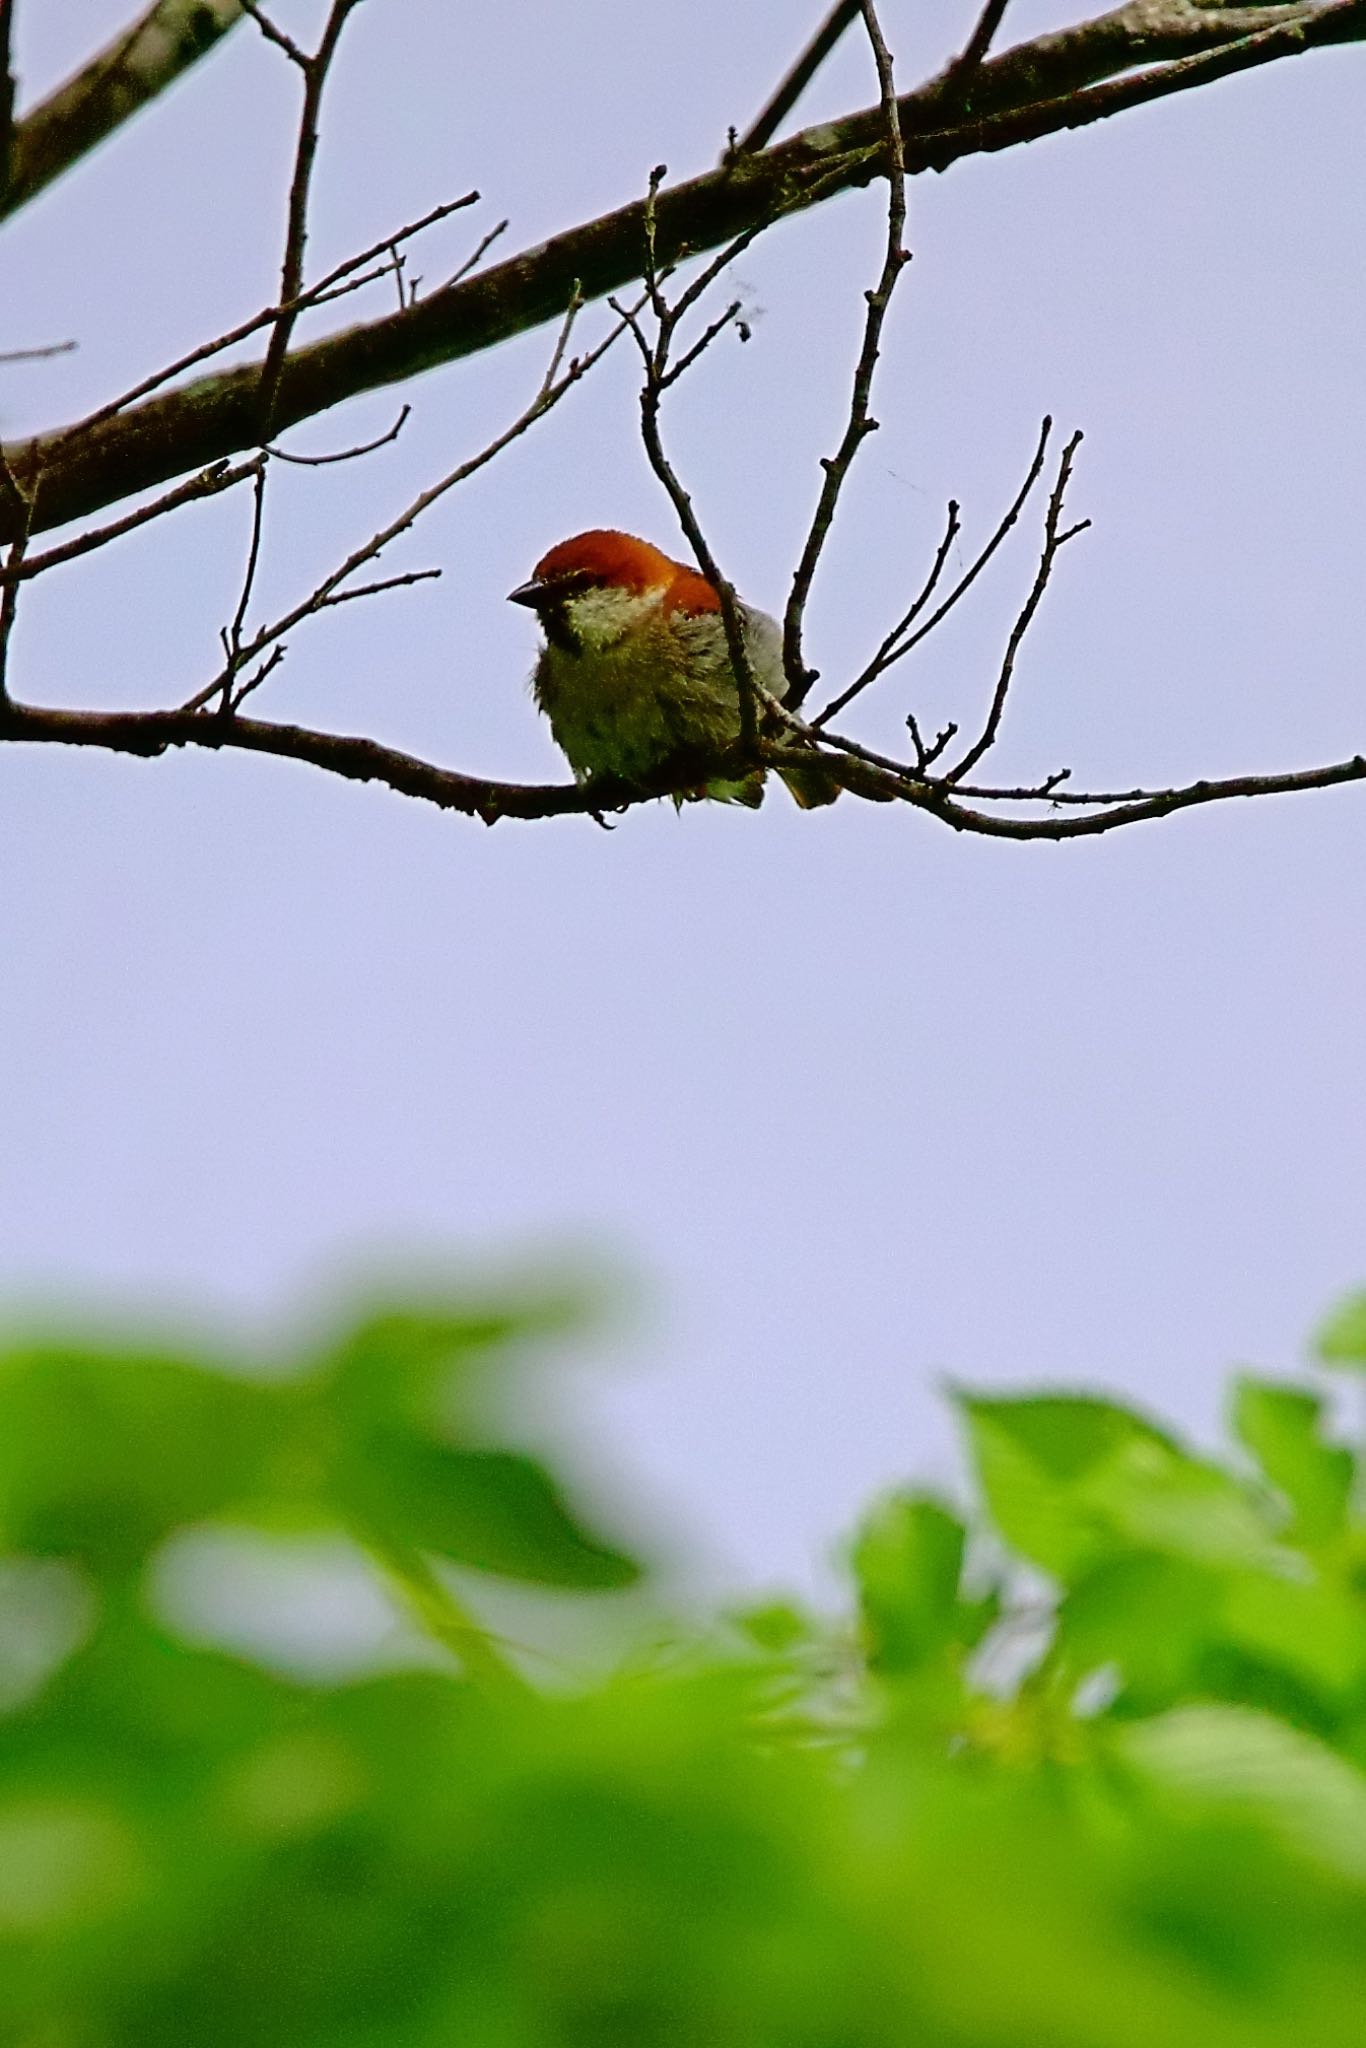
(600, 617)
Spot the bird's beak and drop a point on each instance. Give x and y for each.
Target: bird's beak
(532, 594)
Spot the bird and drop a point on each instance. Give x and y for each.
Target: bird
(635, 675)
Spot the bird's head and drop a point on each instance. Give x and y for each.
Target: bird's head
(592, 588)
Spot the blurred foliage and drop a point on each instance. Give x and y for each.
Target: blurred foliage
(1085, 1768)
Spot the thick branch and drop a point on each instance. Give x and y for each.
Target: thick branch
(1038, 89)
(170, 37)
(357, 760)
(363, 760)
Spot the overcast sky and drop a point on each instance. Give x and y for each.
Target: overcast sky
(863, 1105)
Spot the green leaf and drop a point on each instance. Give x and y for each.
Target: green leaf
(1070, 1480)
(908, 1559)
(398, 1357)
(1316, 1632)
(1029, 1452)
(1148, 1615)
(103, 1452)
(499, 1511)
(1342, 1339)
(774, 1626)
(63, 1861)
(1261, 1769)
(1282, 1427)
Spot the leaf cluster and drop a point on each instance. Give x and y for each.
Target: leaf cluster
(1085, 1766)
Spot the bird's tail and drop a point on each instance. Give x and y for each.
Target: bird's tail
(812, 785)
(749, 792)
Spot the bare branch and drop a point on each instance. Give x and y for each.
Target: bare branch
(345, 454)
(21, 504)
(1055, 538)
(960, 73)
(159, 48)
(869, 774)
(659, 374)
(315, 69)
(232, 701)
(901, 639)
(40, 354)
(1031, 91)
(766, 124)
(218, 477)
(274, 34)
(9, 86)
(338, 281)
(409, 576)
(477, 254)
(552, 389)
(9, 605)
(723, 320)
(234, 659)
(860, 422)
(149, 733)
(925, 753)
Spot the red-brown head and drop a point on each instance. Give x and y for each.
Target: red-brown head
(604, 563)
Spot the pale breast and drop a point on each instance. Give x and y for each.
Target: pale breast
(651, 698)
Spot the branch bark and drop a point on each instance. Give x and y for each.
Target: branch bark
(1056, 82)
(170, 37)
(8, 89)
(356, 759)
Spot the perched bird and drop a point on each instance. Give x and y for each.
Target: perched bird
(636, 677)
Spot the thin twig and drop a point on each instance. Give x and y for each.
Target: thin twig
(111, 87)
(477, 254)
(233, 700)
(894, 646)
(234, 658)
(218, 477)
(9, 605)
(275, 34)
(9, 596)
(860, 422)
(385, 583)
(344, 454)
(785, 96)
(334, 285)
(926, 754)
(1033, 89)
(655, 359)
(1055, 538)
(8, 88)
(977, 46)
(552, 389)
(314, 69)
(701, 345)
(35, 355)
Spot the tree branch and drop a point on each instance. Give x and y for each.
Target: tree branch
(905, 634)
(785, 96)
(960, 73)
(170, 37)
(1055, 537)
(1038, 89)
(8, 89)
(315, 69)
(149, 733)
(860, 423)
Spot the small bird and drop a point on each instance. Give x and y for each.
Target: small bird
(635, 675)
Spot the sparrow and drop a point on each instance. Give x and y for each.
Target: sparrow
(635, 675)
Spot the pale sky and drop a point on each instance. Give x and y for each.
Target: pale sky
(864, 1106)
